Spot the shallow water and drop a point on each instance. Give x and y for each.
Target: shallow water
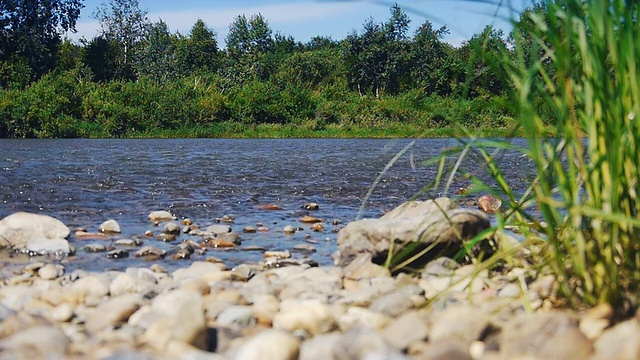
(85, 182)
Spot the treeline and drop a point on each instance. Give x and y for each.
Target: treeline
(137, 78)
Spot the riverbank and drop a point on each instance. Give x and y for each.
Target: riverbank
(285, 307)
(209, 311)
(311, 130)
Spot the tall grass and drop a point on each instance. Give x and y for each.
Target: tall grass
(588, 77)
(578, 61)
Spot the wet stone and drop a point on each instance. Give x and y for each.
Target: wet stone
(249, 230)
(110, 226)
(304, 248)
(117, 254)
(150, 250)
(128, 242)
(252, 248)
(161, 216)
(171, 228)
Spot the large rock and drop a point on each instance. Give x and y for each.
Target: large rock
(437, 224)
(34, 233)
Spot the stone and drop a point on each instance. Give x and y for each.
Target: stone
(171, 228)
(304, 248)
(434, 224)
(128, 242)
(362, 317)
(110, 226)
(37, 233)
(489, 203)
(198, 270)
(236, 316)
(51, 271)
(94, 248)
(553, 335)
(357, 343)
(312, 316)
(363, 268)
(311, 206)
(150, 251)
(620, 342)
(264, 308)
(277, 254)
(440, 350)
(309, 219)
(249, 230)
(392, 304)
(38, 342)
(269, 344)
(289, 230)
(114, 312)
(409, 327)
(217, 229)
(269, 207)
(464, 324)
(62, 313)
(91, 286)
(596, 320)
(161, 216)
(133, 280)
(182, 320)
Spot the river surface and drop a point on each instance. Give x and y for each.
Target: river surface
(85, 182)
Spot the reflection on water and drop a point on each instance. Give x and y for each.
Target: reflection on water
(85, 182)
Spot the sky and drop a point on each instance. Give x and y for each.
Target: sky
(304, 19)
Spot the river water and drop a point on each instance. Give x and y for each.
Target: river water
(85, 182)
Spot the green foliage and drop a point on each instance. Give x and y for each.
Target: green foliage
(432, 59)
(590, 201)
(31, 30)
(156, 56)
(123, 24)
(47, 108)
(102, 57)
(377, 60)
(477, 65)
(199, 51)
(138, 78)
(15, 73)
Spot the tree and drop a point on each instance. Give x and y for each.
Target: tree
(123, 22)
(377, 60)
(156, 57)
(248, 43)
(198, 51)
(249, 37)
(430, 57)
(478, 58)
(102, 56)
(30, 31)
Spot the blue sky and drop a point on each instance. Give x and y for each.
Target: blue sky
(304, 19)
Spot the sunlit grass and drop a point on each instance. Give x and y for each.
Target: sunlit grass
(578, 62)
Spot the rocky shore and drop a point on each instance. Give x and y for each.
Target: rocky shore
(283, 308)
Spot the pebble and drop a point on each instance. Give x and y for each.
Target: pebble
(51, 271)
(110, 226)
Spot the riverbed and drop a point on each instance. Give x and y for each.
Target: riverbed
(85, 182)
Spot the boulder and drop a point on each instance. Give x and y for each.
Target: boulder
(35, 234)
(434, 224)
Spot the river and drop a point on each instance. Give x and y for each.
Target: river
(84, 182)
